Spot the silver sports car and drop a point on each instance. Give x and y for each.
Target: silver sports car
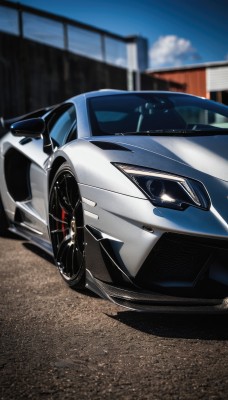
(129, 192)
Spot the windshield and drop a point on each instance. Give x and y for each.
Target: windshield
(156, 113)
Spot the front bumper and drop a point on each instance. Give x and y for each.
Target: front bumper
(182, 274)
(186, 266)
(145, 301)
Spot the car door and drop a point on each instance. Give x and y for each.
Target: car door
(60, 124)
(24, 187)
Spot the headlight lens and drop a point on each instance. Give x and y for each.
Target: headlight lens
(167, 190)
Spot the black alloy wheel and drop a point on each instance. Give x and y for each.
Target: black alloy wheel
(67, 227)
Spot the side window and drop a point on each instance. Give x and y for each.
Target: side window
(201, 116)
(62, 124)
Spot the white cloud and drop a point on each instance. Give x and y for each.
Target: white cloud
(172, 50)
(226, 56)
(121, 62)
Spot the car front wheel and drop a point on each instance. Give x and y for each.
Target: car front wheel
(67, 227)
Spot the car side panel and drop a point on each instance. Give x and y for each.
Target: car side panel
(33, 208)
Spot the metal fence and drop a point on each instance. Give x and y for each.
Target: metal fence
(45, 59)
(64, 33)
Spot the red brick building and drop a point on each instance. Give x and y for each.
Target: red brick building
(207, 80)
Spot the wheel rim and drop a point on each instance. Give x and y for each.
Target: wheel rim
(66, 225)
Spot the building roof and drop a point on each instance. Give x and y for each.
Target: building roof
(213, 64)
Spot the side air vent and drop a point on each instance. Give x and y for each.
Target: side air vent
(25, 141)
(187, 266)
(17, 168)
(109, 146)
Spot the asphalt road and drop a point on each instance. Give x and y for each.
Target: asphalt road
(61, 344)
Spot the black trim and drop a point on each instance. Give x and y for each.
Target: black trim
(109, 146)
(101, 260)
(188, 266)
(17, 168)
(25, 141)
(145, 301)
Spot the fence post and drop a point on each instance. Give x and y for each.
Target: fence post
(20, 23)
(65, 36)
(103, 49)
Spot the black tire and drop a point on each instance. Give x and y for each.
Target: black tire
(3, 220)
(67, 227)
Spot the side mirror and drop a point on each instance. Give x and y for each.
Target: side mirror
(33, 127)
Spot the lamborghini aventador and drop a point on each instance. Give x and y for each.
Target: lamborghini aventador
(128, 191)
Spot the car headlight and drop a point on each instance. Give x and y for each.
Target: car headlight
(167, 190)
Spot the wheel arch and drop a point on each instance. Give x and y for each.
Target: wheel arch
(55, 166)
(62, 222)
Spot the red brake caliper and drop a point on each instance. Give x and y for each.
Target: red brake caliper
(63, 216)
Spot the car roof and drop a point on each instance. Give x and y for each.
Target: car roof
(108, 92)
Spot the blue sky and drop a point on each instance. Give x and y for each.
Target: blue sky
(179, 32)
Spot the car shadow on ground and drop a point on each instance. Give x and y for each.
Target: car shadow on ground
(203, 327)
(39, 252)
(11, 235)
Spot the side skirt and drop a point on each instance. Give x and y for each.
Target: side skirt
(33, 237)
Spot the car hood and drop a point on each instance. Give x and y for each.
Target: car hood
(208, 154)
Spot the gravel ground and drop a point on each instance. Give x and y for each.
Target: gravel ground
(61, 344)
